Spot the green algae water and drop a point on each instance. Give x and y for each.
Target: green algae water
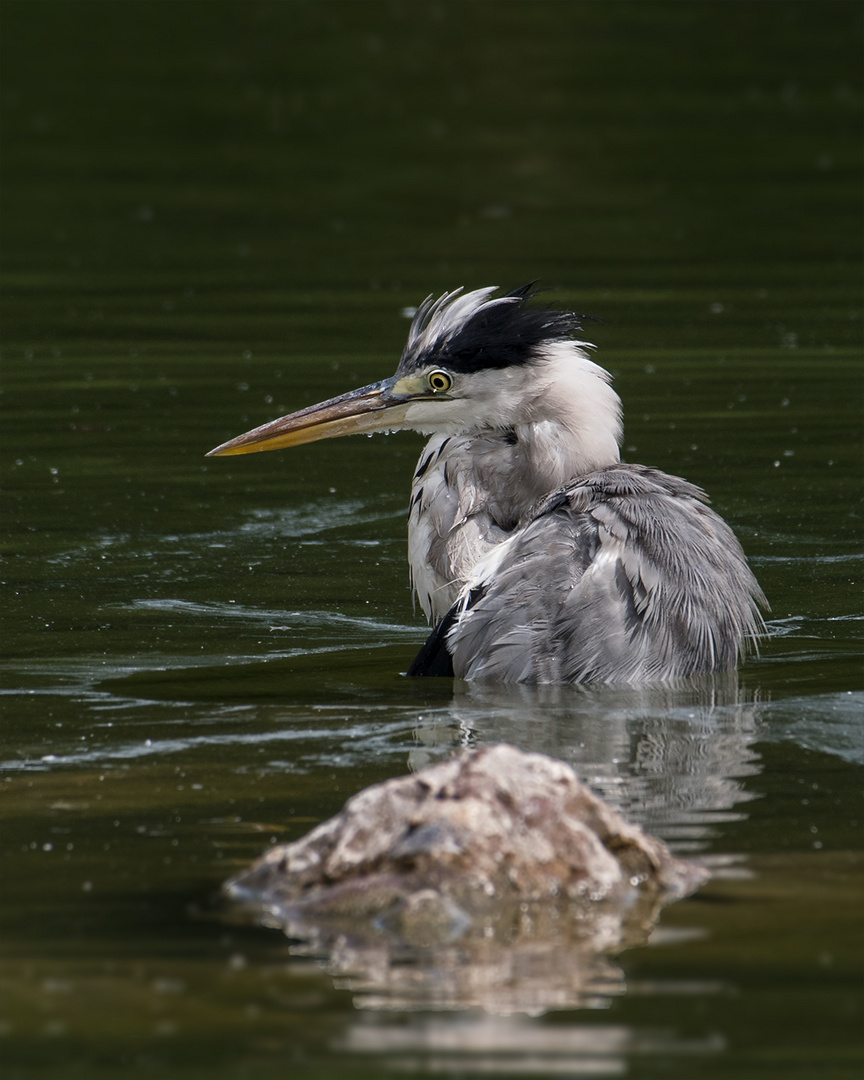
(217, 213)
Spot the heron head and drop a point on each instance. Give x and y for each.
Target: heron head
(472, 361)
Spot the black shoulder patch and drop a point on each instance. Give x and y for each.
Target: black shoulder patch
(434, 658)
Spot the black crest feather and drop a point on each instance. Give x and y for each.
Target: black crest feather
(474, 332)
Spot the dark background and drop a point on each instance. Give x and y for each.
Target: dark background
(214, 213)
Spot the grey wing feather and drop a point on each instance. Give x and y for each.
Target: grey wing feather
(623, 576)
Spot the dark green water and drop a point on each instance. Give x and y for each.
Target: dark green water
(214, 213)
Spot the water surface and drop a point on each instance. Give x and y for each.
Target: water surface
(215, 214)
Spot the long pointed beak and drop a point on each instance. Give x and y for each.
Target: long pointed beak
(377, 407)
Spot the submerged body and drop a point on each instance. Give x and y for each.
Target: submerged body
(540, 556)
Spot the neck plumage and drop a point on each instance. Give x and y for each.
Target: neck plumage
(473, 489)
(568, 425)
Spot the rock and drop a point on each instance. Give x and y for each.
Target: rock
(461, 845)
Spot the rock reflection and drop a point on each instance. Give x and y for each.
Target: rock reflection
(518, 1046)
(541, 961)
(528, 958)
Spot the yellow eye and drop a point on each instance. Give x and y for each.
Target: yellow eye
(439, 381)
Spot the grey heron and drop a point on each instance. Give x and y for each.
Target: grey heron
(538, 555)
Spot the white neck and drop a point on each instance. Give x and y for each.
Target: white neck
(537, 428)
(567, 422)
(574, 415)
